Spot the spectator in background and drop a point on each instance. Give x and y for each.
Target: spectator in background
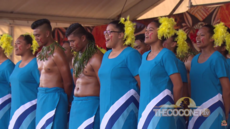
(140, 45)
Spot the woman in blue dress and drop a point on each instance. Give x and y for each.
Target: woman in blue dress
(24, 86)
(6, 68)
(209, 83)
(222, 49)
(172, 45)
(161, 83)
(118, 74)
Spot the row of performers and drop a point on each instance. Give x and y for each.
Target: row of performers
(119, 89)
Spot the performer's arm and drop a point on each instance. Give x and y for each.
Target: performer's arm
(226, 94)
(185, 90)
(188, 67)
(63, 66)
(177, 86)
(138, 80)
(73, 76)
(96, 63)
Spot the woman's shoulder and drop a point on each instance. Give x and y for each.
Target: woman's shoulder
(129, 51)
(166, 53)
(10, 63)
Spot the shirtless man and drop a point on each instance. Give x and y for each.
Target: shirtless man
(85, 106)
(55, 80)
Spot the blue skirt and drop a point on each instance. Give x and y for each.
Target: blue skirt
(23, 114)
(5, 104)
(84, 113)
(150, 118)
(52, 108)
(215, 117)
(122, 113)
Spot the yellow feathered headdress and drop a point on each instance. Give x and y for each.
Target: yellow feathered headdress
(183, 47)
(34, 46)
(5, 44)
(227, 42)
(129, 31)
(101, 49)
(166, 28)
(219, 35)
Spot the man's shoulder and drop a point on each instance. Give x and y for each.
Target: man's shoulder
(58, 48)
(58, 51)
(97, 57)
(98, 53)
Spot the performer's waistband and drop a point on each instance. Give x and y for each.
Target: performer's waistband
(50, 90)
(86, 98)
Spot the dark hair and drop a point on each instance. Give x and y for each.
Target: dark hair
(120, 26)
(27, 38)
(140, 37)
(78, 30)
(65, 42)
(224, 45)
(41, 22)
(157, 22)
(190, 44)
(210, 28)
(174, 40)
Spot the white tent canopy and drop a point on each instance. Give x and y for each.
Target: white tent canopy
(16, 16)
(166, 6)
(87, 12)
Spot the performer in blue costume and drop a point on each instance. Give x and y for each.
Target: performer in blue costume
(119, 78)
(209, 82)
(55, 82)
(171, 44)
(161, 82)
(6, 68)
(222, 49)
(24, 86)
(84, 112)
